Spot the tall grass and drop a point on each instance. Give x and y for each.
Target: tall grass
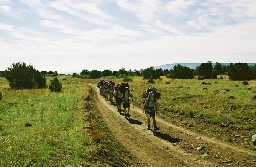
(40, 128)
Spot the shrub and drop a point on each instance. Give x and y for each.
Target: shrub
(200, 77)
(181, 72)
(151, 80)
(206, 70)
(21, 76)
(55, 85)
(245, 83)
(127, 79)
(239, 71)
(151, 73)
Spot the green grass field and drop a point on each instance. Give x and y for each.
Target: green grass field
(41, 128)
(219, 107)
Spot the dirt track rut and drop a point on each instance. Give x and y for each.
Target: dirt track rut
(172, 145)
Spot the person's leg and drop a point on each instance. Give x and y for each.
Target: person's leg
(128, 111)
(154, 123)
(148, 120)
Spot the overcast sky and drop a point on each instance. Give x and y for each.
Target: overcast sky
(71, 35)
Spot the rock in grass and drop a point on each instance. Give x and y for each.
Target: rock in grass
(28, 124)
(254, 139)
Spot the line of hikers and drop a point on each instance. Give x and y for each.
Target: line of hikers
(121, 94)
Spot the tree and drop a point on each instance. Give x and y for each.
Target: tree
(2, 73)
(181, 72)
(122, 73)
(253, 72)
(55, 85)
(205, 70)
(151, 73)
(85, 72)
(239, 71)
(106, 73)
(137, 73)
(95, 74)
(21, 76)
(218, 68)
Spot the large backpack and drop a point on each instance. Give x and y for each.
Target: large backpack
(123, 86)
(154, 90)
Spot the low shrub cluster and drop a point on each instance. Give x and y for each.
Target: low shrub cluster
(55, 85)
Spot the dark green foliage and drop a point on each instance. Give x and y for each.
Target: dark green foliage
(55, 85)
(106, 73)
(85, 72)
(253, 72)
(21, 76)
(95, 74)
(245, 83)
(151, 73)
(206, 70)
(74, 75)
(239, 71)
(181, 72)
(137, 73)
(2, 73)
(151, 81)
(1, 96)
(122, 72)
(127, 79)
(218, 69)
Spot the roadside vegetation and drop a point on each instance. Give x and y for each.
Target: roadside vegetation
(41, 128)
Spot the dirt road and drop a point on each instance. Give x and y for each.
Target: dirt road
(172, 145)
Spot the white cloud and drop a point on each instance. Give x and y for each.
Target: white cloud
(87, 11)
(5, 2)
(5, 8)
(76, 35)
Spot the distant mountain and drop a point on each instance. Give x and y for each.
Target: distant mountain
(190, 65)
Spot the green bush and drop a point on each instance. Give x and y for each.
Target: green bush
(151, 81)
(55, 85)
(181, 72)
(239, 71)
(127, 79)
(21, 76)
(245, 83)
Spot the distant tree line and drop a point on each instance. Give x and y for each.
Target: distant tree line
(21, 76)
(236, 71)
(50, 73)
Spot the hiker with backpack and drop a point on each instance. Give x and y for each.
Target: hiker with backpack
(126, 101)
(110, 90)
(118, 97)
(151, 106)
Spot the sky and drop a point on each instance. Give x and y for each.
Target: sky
(72, 35)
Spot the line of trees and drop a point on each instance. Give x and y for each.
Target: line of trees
(21, 76)
(236, 71)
